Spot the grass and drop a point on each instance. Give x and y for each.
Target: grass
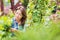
(48, 30)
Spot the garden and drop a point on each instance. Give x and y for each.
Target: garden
(38, 26)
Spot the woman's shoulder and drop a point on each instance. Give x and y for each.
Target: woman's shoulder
(13, 19)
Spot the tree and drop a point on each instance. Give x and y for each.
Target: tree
(2, 6)
(12, 4)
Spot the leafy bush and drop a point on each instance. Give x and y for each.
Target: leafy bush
(39, 32)
(41, 27)
(5, 24)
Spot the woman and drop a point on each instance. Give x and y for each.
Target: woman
(19, 19)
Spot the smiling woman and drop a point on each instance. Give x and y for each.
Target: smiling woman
(19, 19)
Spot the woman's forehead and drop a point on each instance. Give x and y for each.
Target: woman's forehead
(18, 11)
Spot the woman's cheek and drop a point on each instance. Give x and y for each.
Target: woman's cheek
(20, 17)
(16, 15)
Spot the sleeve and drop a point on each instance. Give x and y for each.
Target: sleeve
(12, 24)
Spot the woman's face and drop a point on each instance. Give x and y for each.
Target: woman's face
(18, 15)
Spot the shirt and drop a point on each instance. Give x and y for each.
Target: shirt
(15, 25)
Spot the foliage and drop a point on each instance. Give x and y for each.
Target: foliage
(36, 9)
(40, 25)
(4, 20)
(5, 24)
(24, 2)
(50, 31)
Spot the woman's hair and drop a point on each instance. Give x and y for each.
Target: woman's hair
(24, 16)
(23, 11)
(19, 6)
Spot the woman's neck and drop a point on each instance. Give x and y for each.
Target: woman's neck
(18, 21)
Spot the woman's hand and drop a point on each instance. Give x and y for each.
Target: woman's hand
(13, 29)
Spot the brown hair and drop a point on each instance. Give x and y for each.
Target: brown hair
(20, 7)
(17, 5)
(24, 16)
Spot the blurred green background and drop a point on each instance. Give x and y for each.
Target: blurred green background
(38, 25)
